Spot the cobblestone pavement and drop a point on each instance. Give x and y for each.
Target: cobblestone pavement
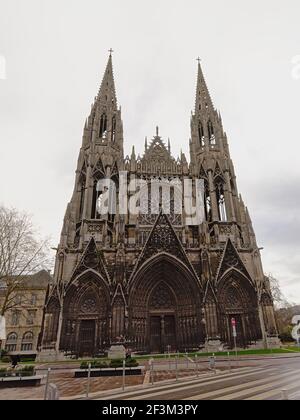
(68, 386)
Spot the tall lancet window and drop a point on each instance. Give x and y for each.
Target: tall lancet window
(82, 195)
(113, 129)
(211, 134)
(97, 201)
(201, 135)
(103, 126)
(207, 203)
(221, 201)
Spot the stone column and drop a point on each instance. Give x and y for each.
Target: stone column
(262, 325)
(213, 197)
(229, 200)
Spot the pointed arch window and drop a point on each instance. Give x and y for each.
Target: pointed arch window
(207, 203)
(201, 134)
(113, 194)
(113, 129)
(221, 201)
(82, 194)
(99, 204)
(97, 201)
(211, 134)
(103, 126)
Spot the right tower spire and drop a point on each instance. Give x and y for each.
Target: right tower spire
(211, 158)
(203, 99)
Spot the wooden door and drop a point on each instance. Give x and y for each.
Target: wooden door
(169, 333)
(87, 338)
(155, 334)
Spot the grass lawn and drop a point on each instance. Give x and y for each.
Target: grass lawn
(231, 353)
(253, 352)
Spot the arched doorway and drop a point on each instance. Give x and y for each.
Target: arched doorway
(165, 307)
(238, 300)
(86, 314)
(162, 319)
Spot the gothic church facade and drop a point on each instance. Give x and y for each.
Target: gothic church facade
(153, 280)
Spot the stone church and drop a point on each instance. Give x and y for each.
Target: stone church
(154, 281)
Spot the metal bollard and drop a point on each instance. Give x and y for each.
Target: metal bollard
(212, 362)
(229, 361)
(88, 381)
(151, 362)
(196, 364)
(47, 384)
(176, 368)
(53, 394)
(124, 375)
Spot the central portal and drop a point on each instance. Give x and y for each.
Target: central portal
(87, 337)
(164, 312)
(162, 333)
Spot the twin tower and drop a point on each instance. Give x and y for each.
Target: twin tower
(153, 280)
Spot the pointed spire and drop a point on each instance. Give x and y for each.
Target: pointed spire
(169, 146)
(107, 91)
(133, 156)
(146, 144)
(203, 99)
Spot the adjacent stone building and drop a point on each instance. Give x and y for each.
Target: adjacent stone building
(156, 280)
(24, 319)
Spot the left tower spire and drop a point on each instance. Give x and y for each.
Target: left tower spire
(104, 125)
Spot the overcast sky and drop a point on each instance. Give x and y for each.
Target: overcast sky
(56, 51)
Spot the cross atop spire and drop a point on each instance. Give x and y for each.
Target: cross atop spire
(110, 51)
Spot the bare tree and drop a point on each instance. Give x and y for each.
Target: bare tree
(284, 310)
(280, 300)
(21, 253)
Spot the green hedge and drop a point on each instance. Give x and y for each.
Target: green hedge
(25, 371)
(95, 364)
(131, 363)
(116, 363)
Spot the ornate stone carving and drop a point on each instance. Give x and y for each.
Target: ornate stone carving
(231, 259)
(91, 259)
(95, 228)
(89, 305)
(161, 298)
(225, 229)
